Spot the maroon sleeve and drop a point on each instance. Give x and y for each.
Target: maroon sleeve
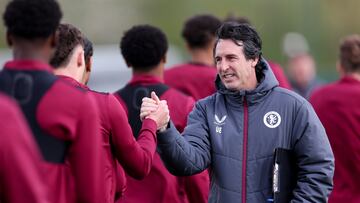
(20, 162)
(118, 98)
(280, 75)
(85, 154)
(197, 187)
(134, 156)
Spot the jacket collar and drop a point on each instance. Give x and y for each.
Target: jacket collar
(349, 79)
(145, 79)
(28, 65)
(73, 82)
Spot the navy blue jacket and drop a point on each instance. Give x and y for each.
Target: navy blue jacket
(235, 134)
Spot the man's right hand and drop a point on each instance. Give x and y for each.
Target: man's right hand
(156, 110)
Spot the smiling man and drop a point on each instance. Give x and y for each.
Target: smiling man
(235, 131)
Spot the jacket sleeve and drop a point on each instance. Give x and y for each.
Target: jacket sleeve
(135, 156)
(188, 154)
(315, 159)
(86, 155)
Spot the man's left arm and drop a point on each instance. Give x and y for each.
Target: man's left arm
(315, 159)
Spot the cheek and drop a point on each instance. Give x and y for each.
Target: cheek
(218, 68)
(243, 69)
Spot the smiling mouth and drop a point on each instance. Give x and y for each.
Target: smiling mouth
(228, 75)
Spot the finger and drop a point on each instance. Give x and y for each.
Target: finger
(148, 109)
(145, 104)
(155, 97)
(148, 100)
(144, 115)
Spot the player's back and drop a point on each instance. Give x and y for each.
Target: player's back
(195, 80)
(20, 160)
(64, 122)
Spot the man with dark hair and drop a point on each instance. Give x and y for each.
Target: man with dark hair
(119, 143)
(88, 54)
(337, 105)
(236, 130)
(199, 34)
(21, 177)
(63, 119)
(144, 49)
(276, 68)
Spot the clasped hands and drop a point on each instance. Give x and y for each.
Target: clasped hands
(155, 109)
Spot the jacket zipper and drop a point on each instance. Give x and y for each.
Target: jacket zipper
(245, 136)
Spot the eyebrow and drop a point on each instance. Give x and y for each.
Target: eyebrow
(226, 56)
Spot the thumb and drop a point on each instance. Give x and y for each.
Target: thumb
(155, 97)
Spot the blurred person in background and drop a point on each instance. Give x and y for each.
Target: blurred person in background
(276, 68)
(144, 49)
(21, 178)
(338, 107)
(196, 77)
(88, 57)
(302, 74)
(72, 60)
(63, 120)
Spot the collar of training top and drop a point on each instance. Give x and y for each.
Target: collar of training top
(28, 65)
(145, 79)
(72, 81)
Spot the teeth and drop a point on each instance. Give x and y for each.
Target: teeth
(228, 75)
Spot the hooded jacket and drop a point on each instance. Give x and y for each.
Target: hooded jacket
(235, 133)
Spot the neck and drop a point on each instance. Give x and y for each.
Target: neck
(66, 71)
(158, 71)
(31, 53)
(251, 85)
(355, 75)
(202, 56)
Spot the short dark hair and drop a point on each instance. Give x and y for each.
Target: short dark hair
(143, 47)
(237, 19)
(200, 30)
(244, 33)
(350, 53)
(69, 38)
(248, 36)
(88, 50)
(32, 19)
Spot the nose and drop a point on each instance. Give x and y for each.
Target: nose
(222, 66)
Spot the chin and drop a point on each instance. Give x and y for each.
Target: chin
(230, 87)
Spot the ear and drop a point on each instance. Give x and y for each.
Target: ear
(254, 62)
(340, 69)
(164, 59)
(128, 64)
(9, 39)
(54, 39)
(89, 65)
(80, 58)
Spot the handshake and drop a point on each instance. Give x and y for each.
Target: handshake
(156, 110)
